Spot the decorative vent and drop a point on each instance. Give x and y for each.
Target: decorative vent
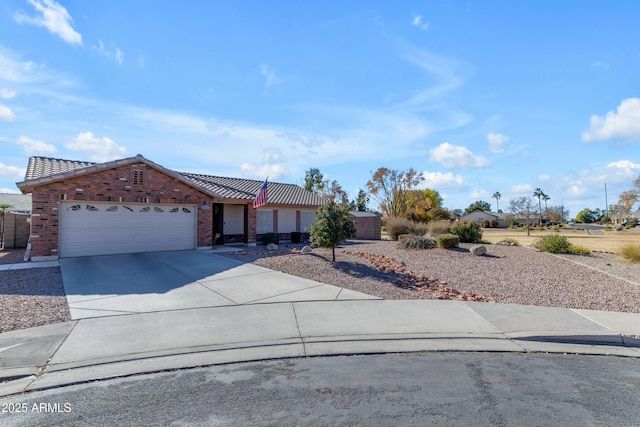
(157, 209)
(127, 208)
(185, 210)
(175, 210)
(145, 209)
(112, 209)
(92, 208)
(138, 177)
(74, 208)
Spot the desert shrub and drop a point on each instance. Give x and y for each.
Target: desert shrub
(508, 241)
(618, 228)
(580, 250)
(384, 228)
(607, 228)
(438, 227)
(417, 242)
(553, 243)
(630, 253)
(401, 237)
(271, 238)
(446, 241)
(296, 237)
(468, 231)
(398, 226)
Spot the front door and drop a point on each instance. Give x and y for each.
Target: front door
(218, 223)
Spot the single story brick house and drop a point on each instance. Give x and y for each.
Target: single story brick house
(135, 205)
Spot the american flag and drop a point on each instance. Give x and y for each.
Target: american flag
(261, 197)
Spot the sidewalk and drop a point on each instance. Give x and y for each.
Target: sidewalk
(112, 346)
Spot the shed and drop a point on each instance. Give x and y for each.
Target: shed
(368, 225)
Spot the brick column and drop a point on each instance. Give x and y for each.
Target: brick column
(251, 226)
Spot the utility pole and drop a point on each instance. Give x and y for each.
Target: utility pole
(606, 203)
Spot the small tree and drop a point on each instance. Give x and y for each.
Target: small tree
(314, 180)
(389, 187)
(524, 207)
(333, 227)
(3, 209)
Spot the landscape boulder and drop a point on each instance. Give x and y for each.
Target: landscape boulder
(272, 247)
(478, 250)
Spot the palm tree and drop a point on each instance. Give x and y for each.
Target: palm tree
(538, 193)
(497, 196)
(546, 209)
(3, 209)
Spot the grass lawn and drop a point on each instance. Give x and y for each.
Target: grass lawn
(596, 240)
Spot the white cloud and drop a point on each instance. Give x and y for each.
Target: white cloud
(274, 172)
(7, 93)
(479, 194)
(455, 156)
(6, 113)
(110, 52)
(271, 166)
(623, 124)
(497, 142)
(33, 147)
(99, 149)
(270, 76)
(140, 61)
(439, 180)
(53, 17)
(418, 22)
(12, 172)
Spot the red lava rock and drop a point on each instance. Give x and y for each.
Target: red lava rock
(417, 282)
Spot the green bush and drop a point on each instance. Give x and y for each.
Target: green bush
(446, 241)
(403, 236)
(296, 237)
(271, 238)
(468, 231)
(438, 227)
(398, 226)
(558, 244)
(416, 242)
(384, 228)
(630, 253)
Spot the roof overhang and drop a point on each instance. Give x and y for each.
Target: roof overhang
(29, 185)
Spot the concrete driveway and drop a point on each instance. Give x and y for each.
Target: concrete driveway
(112, 285)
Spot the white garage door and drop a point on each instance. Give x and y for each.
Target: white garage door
(91, 228)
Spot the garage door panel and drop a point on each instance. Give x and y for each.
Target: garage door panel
(107, 228)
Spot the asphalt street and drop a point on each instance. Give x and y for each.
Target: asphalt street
(449, 389)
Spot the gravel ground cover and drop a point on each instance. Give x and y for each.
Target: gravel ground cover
(506, 274)
(30, 297)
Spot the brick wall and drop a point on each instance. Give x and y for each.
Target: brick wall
(135, 183)
(368, 228)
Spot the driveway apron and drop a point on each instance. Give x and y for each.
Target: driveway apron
(111, 285)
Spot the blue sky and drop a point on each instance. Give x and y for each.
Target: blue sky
(479, 96)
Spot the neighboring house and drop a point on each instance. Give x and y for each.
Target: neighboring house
(368, 225)
(135, 205)
(479, 216)
(16, 219)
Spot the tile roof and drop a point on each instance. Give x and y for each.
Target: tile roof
(39, 167)
(18, 202)
(45, 169)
